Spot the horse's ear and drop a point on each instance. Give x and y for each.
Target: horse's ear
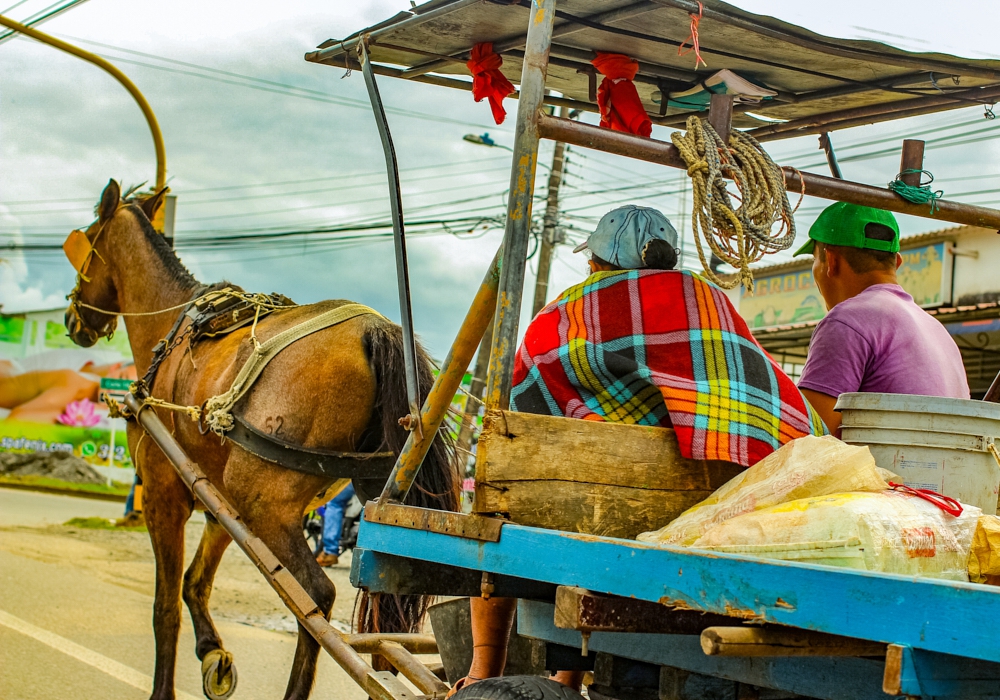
(152, 203)
(110, 199)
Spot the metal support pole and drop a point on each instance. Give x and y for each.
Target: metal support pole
(380, 685)
(549, 232)
(399, 240)
(522, 186)
(443, 392)
(147, 111)
(831, 156)
(912, 158)
(720, 115)
(588, 136)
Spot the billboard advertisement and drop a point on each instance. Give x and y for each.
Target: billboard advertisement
(50, 390)
(792, 297)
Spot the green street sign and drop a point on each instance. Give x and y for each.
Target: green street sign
(115, 384)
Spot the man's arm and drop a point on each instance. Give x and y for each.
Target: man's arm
(824, 403)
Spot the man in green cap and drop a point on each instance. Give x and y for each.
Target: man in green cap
(874, 338)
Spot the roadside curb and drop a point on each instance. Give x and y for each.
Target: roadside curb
(63, 492)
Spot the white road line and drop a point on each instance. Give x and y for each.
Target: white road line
(126, 674)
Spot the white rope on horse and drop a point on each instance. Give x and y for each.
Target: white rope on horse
(258, 300)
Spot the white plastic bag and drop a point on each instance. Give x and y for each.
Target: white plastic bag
(807, 466)
(891, 531)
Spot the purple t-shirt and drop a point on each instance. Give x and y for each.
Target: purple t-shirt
(881, 341)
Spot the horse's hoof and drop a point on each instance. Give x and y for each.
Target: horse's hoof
(218, 675)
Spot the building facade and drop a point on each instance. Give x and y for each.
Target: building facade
(953, 273)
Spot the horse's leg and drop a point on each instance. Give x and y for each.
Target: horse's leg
(271, 501)
(167, 507)
(217, 669)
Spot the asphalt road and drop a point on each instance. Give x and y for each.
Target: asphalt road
(76, 612)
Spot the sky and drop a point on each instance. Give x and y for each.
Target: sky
(245, 156)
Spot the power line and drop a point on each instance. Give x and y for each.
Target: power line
(40, 17)
(262, 84)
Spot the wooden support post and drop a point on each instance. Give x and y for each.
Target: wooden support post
(720, 115)
(579, 609)
(912, 158)
(772, 641)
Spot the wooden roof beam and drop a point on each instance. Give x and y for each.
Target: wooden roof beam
(564, 29)
(859, 116)
(927, 64)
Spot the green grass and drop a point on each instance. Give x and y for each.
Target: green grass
(48, 483)
(100, 524)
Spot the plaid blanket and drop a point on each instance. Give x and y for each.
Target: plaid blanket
(660, 348)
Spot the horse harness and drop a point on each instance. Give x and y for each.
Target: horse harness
(216, 310)
(220, 309)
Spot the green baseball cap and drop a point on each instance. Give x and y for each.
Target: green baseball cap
(854, 226)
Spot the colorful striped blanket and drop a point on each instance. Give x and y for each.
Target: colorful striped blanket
(660, 348)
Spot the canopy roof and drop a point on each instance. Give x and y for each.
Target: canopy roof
(822, 83)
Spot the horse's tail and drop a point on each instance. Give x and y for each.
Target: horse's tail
(437, 484)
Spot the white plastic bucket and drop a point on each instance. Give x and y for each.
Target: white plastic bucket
(942, 444)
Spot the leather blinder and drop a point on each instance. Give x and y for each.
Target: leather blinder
(78, 251)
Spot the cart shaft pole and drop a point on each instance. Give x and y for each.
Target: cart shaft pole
(443, 392)
(378, 685)
(522, 188)
(654, 151)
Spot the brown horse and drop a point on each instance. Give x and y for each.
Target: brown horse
(341, 388)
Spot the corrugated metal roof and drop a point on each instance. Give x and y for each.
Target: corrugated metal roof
(813, 74)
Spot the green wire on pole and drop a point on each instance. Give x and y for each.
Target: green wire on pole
(918, 194)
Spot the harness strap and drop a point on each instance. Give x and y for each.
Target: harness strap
(218, 409)
(162, 349)
(328, 463)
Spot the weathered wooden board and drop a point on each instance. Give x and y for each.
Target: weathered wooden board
(583, 476)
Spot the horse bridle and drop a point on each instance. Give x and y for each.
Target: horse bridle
(80, 250)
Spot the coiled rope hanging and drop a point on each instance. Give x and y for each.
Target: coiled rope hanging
(739, 236)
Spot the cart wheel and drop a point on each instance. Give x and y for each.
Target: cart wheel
(218, 675)
(516, 688)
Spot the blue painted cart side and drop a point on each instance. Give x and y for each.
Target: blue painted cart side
(828, 678)
(938, 616)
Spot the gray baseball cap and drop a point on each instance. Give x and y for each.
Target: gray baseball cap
(622, 235)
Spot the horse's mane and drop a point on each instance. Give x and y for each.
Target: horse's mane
(171, 263)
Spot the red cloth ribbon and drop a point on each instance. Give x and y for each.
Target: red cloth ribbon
(487, 80)
(621, 108)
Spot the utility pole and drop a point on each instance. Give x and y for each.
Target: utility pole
(550, 235)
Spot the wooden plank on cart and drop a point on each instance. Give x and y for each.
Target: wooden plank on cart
(596, 478)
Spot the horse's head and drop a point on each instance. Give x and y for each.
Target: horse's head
(93, 309)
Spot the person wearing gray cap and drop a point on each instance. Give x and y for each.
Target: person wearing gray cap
(632, 238)
(641, 342)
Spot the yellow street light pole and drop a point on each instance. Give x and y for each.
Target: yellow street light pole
(147, 111)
